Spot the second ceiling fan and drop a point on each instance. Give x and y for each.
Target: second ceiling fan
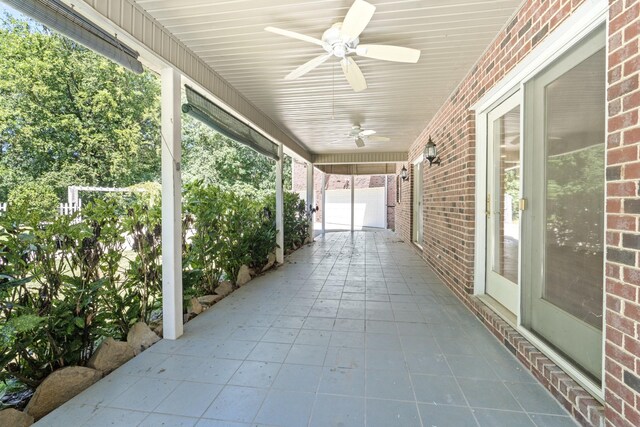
(341, 41)
(359, 135)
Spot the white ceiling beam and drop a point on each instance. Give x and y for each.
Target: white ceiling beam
(359, 169)
(365, 157)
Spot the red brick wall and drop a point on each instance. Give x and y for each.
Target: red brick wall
(449, 204)
(622, 354)
(391, 202)
(403, 207)
(299, 176)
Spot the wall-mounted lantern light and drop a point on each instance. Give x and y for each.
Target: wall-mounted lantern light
(431, 153)
(404, 174)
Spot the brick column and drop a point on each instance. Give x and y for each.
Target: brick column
(622, 347)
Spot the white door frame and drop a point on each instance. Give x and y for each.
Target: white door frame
(511, 301)
(581, 23)
(414, 211)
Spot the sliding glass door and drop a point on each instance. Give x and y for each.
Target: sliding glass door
(564, 181)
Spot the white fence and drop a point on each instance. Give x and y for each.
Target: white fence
(69, 208)
(63, 209)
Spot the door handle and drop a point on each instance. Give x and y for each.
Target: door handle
(523, 204)
(487, 210)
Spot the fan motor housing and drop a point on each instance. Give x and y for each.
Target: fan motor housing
(355, 131)
(335, 45)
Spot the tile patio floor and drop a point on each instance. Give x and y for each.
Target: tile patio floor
(354, 330)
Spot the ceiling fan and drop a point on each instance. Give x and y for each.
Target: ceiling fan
(341, 41)
(360, 136)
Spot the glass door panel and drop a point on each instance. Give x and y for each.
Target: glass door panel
(567, 129)
(574, 161)
(503, 195)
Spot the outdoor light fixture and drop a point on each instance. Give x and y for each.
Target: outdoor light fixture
(403, 174)
(431, 153)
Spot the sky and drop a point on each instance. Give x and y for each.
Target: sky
(4, 8)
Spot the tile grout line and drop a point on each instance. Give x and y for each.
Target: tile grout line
(464, 396)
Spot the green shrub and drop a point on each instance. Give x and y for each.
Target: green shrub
(204, 248)
(143, 282)
(50, 318)
(68, 282)
(227, 230)
(296, 219)
(34, 201)
(118, 297)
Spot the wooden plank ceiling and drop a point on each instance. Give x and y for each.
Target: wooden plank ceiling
(319, 108)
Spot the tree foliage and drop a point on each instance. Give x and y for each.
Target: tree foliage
(34, 199)
(213, 159)
(69, 116)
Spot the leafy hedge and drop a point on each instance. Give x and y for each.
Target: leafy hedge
(67, 282)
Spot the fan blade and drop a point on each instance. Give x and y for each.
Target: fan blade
(388, 53)
(353, 74)
(367, 132)
(308, 66)
(359, 142)
(294, 35)
(378, 139)
(339, 142)
(356, 20)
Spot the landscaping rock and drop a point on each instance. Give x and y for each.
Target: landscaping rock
(141, 337)
(244, 276)
(110, 355)
(156, 317)
(194, 306)
(307, 240)
(271, 259)
(224, 288)
(188, 316)
(159, 330)
(59, 387)
(209, 300)
(14, 418)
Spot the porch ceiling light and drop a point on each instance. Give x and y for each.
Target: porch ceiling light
(431, 153)
(403, 174)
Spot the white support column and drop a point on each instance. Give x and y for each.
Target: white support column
(324, 203)
(353, 198)
(386, 201)
(279, 207)
(171, 205)
(310, 195)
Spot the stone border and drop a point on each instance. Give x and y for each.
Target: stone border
(572, 396)
(582, 406)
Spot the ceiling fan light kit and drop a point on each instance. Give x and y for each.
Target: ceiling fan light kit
(342, 41)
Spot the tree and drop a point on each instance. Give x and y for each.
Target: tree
(214, 159)
(35, 201)
(69, 116)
